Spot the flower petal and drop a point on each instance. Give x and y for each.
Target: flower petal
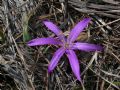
(87, 47)
(43, 41)
(54, 29)
(78, 29)
(56, 57)
(74, 63)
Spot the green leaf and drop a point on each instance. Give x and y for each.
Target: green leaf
(26, 35)
(117, 83)
(2, 38)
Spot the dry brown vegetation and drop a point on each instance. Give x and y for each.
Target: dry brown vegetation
(25, 68)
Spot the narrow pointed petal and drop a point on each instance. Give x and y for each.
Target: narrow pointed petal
(54, 29)
(87, 47)
(78, 29)
(56, 57)
(43, 41)
(74, 63)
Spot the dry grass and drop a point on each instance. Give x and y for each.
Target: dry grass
(25, 68)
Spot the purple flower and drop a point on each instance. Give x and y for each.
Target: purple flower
(67, 45)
